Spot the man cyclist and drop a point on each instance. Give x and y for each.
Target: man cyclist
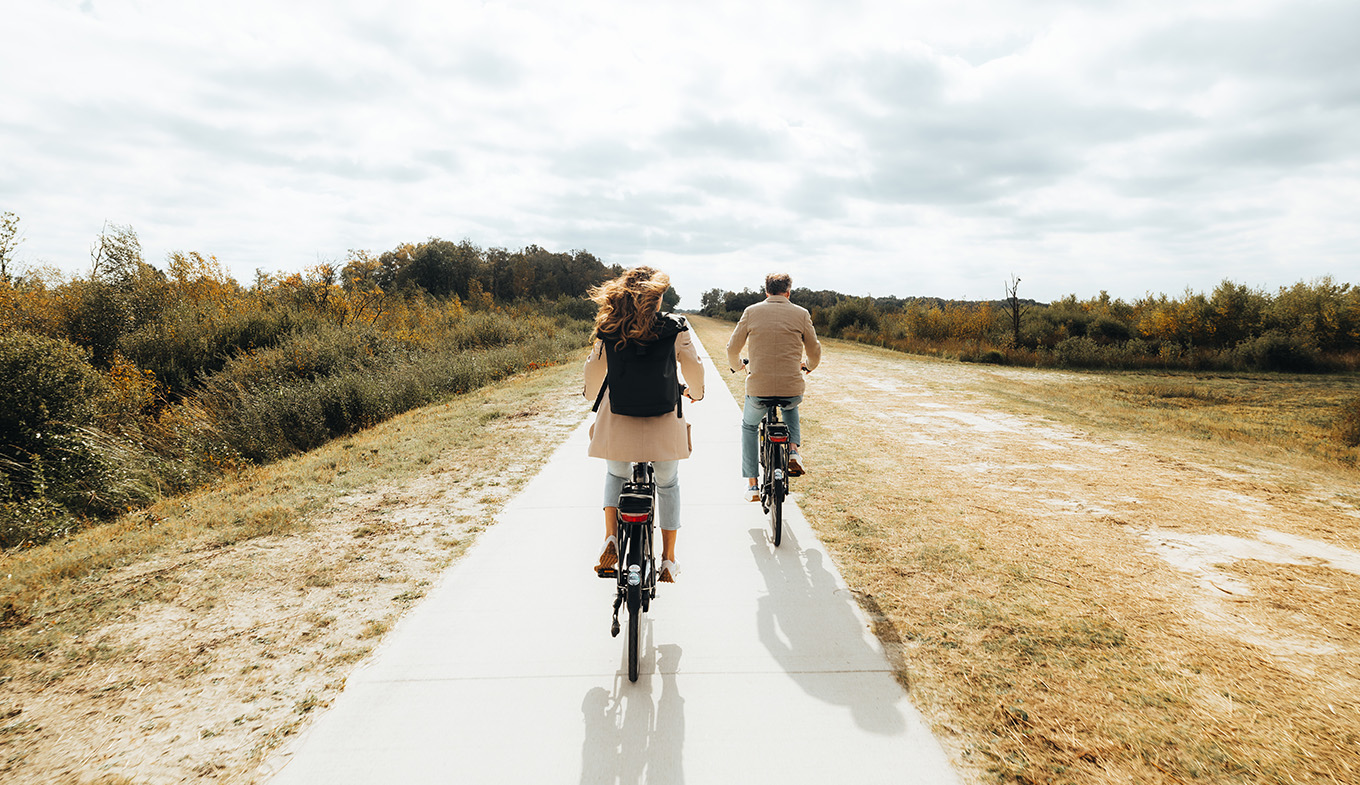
(779, 333)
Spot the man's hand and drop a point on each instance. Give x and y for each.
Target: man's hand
(805, 368)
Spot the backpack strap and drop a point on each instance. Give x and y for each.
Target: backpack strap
(603, 386)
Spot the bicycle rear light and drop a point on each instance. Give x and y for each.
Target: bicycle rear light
(778, 434)
(634, 507)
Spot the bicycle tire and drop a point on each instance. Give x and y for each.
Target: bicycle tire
(634, 602)
(777, 504)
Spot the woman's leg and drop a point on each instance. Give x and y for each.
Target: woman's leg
(616, 473)
(668, 500)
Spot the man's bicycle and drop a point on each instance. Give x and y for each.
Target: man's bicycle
(772, 439)
(636, 573)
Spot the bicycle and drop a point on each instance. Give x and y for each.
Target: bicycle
(772, 439)
(636, 576)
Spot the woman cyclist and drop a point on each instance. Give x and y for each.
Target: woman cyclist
(629, 327)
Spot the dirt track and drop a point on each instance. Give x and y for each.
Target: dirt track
(1075, 603)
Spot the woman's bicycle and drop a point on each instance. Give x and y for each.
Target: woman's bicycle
(772, 440)
(637, 571)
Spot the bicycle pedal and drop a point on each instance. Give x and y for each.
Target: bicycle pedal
(607, 572)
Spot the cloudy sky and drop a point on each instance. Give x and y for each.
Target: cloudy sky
(909, 148)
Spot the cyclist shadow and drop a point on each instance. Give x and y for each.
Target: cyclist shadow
(629, 737)
(806, 623)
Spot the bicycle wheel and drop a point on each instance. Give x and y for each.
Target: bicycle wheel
(634, 601)
(777, 499)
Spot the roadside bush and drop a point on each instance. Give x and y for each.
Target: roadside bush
(181, 350)
(276, 420)
(1079, 352)
(1277, 351)
(50, 389)
(859, 315)
(1108, 330)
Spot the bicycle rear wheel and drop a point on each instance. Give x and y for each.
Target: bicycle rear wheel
(634, 602)
(777, 498)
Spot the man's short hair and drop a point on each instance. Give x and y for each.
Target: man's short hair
(778, 283)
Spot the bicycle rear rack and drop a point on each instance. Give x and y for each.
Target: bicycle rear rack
(635, 503)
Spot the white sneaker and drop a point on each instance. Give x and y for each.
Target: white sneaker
(795, 464)
(753, 494)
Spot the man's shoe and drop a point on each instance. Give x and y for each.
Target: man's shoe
(753, 494)
(796, 468)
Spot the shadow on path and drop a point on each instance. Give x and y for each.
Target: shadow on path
(801, 619)
(629, 738)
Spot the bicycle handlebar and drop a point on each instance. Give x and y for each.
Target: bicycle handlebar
(746, 362)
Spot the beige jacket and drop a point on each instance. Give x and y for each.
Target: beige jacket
(662, 438)
(779, 332)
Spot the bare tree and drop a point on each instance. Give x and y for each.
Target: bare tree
(115, 255)
(10, 237)
(1015, 308)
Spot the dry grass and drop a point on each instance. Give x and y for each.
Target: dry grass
(1002, 526)
(1264, 413)
(183, 643)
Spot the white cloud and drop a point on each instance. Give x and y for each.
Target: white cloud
(906, 148)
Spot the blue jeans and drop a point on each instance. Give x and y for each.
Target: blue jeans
(751, 415)
(667, 489)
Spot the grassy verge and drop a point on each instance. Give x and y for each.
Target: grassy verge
(194, 636)
(1009, 562)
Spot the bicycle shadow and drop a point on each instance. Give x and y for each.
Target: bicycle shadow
(629, 737)
(803, 619)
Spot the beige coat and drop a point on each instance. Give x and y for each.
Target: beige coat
(779, 332)
(662, 438)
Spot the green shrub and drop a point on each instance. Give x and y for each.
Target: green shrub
(1080, 352)
(182, 350)
(269, 421)
(1109, 330)
(48, 385)
(1277, 351)
(857, 314)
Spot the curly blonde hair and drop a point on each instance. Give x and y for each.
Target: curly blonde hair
(629, 305)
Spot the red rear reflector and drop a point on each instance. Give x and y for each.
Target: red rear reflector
(633, 517)
(779, 439)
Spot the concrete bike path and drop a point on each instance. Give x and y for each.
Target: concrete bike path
(757, 666)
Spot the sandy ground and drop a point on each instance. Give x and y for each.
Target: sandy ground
(1197, 506)
(1261, 550)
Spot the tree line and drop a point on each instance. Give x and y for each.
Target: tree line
(1311, 326)
(136, 380)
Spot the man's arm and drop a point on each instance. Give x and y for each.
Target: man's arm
(811, 345)
(735, 343)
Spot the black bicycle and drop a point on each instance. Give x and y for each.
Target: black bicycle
(637, 571)
(773, 441)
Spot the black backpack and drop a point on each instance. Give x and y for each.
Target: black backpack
(641, 380)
